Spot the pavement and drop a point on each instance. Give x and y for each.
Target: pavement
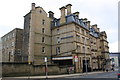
(57, 76)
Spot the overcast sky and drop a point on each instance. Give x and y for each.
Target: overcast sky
(104, 13)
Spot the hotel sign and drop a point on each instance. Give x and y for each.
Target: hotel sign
(62, 58)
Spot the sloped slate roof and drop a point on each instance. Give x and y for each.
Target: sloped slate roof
(73, 18)
(93, 33)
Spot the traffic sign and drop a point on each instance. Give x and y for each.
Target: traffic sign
(45, 59)
(76, 58)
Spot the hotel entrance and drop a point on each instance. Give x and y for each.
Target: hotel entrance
(62, 61)
(88, 66)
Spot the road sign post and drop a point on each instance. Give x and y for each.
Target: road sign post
(46, 72)
(75, 60)
(29, 62)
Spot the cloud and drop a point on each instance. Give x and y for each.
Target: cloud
(112, 34)
(5, 29)
(113, 47)
(119, 45)
(101, 12)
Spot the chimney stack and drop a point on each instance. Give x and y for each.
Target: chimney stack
(95, 27)
(51, 14)
(88, 24)
(98, 29)
(81, 19)
(85, 20)
(68, 9)
(62, 18)
(33, 6)
(77, 14)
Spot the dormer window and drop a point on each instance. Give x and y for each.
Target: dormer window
(55, 24)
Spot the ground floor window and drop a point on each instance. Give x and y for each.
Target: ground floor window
(63, 62)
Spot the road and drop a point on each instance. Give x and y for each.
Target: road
(98, 75)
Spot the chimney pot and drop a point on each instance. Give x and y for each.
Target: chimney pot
(95, 27)
(85, 20)
(98, 29)
(51, 14)
(77, 14)
(62, 18)
(88, 24)
(62, 8)
(33, 6)
(68, 6)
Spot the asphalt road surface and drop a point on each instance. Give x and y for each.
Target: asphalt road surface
(98, 75)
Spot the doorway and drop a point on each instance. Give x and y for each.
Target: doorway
(84, 66)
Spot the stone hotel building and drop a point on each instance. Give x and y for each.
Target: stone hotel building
(60, 40)
(69, 40)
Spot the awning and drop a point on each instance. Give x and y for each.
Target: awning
(62, 58)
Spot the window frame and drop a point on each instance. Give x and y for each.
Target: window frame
(43, 22)
(57, 50)
(43, 49)
(43, 30)
(43, 39)
(58, 39)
